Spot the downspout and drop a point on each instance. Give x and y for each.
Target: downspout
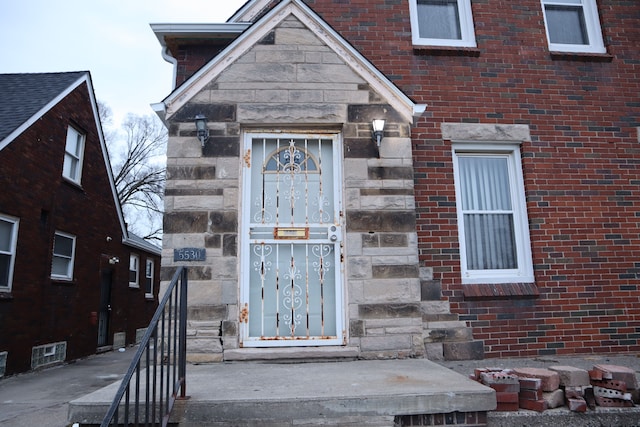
(166, 55)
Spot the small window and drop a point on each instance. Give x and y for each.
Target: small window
(63, 256)
(442, 23)
(492, 219)
(148, 284)
(573, 26)
(134, 271)
(73, 153)
(8, 241)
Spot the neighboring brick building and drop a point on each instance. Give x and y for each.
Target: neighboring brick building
(503, 192)
(66, 289)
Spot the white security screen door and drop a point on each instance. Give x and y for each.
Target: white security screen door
(291, 267)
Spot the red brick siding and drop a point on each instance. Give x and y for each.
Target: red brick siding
(580, 168)
(40, 310)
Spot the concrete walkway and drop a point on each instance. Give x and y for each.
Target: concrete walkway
(331, 393)
(40, 398)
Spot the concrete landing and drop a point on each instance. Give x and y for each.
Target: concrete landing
(329, 393)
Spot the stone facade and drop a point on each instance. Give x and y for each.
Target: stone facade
(290, 80)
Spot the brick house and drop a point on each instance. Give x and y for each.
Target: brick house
(496, 214)
(71, 277)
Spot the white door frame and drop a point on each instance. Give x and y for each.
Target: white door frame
(334, 232)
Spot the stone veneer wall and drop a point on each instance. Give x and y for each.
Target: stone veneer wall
(290, 80)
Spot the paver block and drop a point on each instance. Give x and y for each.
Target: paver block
(533, 405)
(574, 392)
(507, 397)
(611, 384)
(532, 394)
(577, 405)
(554, 399)
(507, 406)
(570, 376)
(550, 379)
(530, 383)
(621, 373)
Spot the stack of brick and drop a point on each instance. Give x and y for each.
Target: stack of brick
(506, 385)
(613, 385)
(577, 388)
(548, 394)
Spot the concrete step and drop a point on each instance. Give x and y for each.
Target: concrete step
(251, 394)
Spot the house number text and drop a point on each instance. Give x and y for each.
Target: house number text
(189, 254)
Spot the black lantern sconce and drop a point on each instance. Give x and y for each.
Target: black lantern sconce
(202, 131)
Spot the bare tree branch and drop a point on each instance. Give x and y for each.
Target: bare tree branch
(137, 155)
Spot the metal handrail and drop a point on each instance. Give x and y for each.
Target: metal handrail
(164, 347)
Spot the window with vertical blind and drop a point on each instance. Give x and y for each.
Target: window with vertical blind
(492, 219)
(442, 23)
(573, 26)
(8, 240)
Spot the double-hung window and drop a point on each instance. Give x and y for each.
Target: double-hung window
(442, 23)
(64, 247)
(73, 154)
(134, 271)
(8, 240)
(148, 284)
(492, 218)
(573, 26)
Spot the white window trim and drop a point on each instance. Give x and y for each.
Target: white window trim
(148, 277)
(135, 284)
(12, 249)
(592, 22)
(80, 157)
(466, 27)
(524, 272)
(69, 275)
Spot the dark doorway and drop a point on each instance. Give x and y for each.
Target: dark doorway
(105, 308)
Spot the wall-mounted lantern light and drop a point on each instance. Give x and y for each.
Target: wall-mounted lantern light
(201, 128)
(378, 130)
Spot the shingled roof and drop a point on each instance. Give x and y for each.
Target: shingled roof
(24, 95)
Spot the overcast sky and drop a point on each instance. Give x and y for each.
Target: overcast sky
(110, 38)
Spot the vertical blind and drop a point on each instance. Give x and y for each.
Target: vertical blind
(487, 211)
(439, 19)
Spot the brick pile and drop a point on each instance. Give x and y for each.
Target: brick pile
(539, 389)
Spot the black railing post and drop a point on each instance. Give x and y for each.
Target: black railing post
(182, 351)
(170, 352)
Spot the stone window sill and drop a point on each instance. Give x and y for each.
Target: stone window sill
(446, 51)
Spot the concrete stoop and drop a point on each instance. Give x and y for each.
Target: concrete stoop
(373, 392)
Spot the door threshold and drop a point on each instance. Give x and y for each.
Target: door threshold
(292, 354)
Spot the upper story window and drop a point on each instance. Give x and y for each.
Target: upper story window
(492, 218)
(573, 26)
(442, 23)
(64, 246)
(148, 284)
(73, 154)
(134, 271)
(8, 240)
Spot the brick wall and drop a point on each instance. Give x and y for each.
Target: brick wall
(580, 167)
(40, 310)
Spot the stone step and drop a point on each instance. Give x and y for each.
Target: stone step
(356, 393)
(448, 335)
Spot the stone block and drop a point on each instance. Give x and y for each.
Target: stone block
(571, 377)
(554, 399)
(533, 405)
(434, 351)
(577, 405)
(550, 379)
(472, 350)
